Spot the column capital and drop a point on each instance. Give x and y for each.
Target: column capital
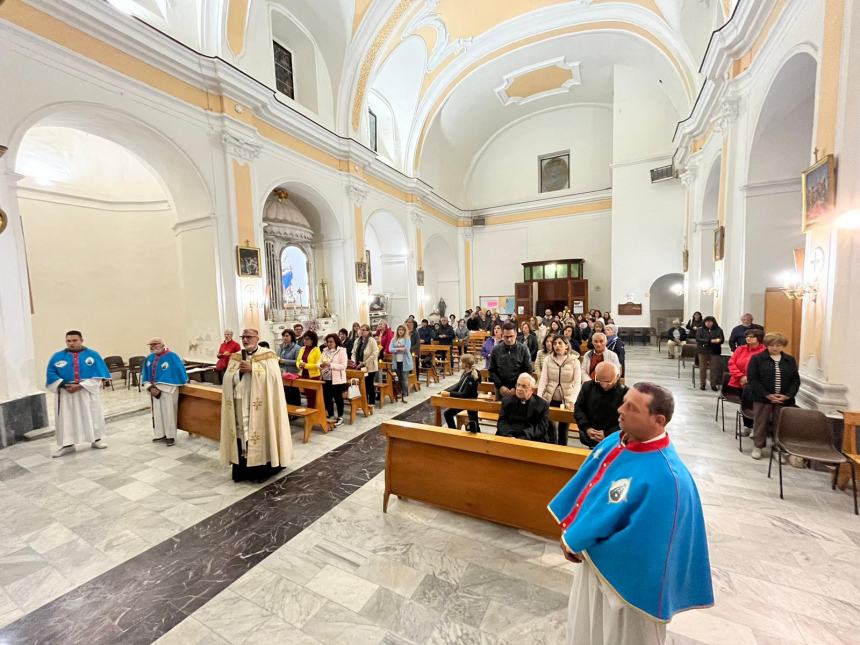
(240, 147)
(688, 175)
(727, 114)
(468, 233)
(357, 192)
(417, 217)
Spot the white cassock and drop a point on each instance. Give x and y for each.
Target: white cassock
(164, 410)
(80, 418)
(598, 616)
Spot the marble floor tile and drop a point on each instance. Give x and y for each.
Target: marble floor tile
(334, 624)
(345, 588)
(390, 574)
(404, 617)
(136, 491)
(292, 602)
(232, 617)
(191, 632)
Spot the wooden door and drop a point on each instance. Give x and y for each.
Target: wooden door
(524, 294)
(783, 315)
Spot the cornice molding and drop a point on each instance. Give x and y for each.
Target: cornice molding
(772, 187)
(596, 197)
(90, 201)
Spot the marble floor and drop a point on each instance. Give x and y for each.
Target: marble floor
(784, 571)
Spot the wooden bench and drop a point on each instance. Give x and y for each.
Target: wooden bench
(412, 381)
(489, 410)
(444, 363)
(849, 447)
(385, 387)
(503, 480)
(359, 403)
(199, 410)
(315, 416)
(476, 341)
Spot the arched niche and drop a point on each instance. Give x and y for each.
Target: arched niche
(441, 276)
(666, 300)
(390, 260)
(781, 149)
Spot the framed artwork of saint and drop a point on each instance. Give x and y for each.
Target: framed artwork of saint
(719, 243)
(554, 171)
(361, 272)
(420, 278)
(248, 261)
(819, 192)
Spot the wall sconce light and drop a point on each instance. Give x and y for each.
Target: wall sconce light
(677, 289)
(849, 220)
(794, 289)
(707, 288)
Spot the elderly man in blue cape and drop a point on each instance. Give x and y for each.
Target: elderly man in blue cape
(163, 372)
(633, 519)
(76, 375)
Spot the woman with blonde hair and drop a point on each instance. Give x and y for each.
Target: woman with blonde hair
(560, 381)
(401, 357)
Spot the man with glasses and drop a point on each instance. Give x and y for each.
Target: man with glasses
(255, 429)
(163, 372)
(596, 408)
(525, 416)
(508, 360)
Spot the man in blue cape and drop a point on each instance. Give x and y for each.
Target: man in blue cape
(163, 373)
(633, 519)
(76, 375)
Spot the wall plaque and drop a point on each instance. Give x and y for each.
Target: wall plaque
(630, 309)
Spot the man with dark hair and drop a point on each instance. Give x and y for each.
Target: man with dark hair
(426, 333)
(632, 518)
(76, 375)
(508, 360)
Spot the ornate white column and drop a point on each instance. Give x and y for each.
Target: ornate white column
(416, 264)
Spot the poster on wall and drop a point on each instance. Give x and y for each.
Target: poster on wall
(578, 307)
(500, 304)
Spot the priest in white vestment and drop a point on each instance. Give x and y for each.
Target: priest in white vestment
(632, 520)
(163, 373)
(76, 375)
(255, 428)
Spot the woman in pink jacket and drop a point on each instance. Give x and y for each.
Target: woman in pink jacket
(738, 363)
(333, 373)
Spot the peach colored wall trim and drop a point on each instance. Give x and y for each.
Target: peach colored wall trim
(828, 93)
(237, 21)
(419, 249)
(361, 7)
(359, 233)
(467, 252)
(742, 63)
(561, 211)
(724, 183)
(244, 203)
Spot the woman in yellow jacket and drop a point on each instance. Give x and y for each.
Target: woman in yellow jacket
(308, 361)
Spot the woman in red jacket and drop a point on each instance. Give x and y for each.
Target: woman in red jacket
(738, 369)
(383, 337)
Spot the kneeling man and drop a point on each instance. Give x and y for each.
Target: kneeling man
(255, 429)
(76, 375)
(163, 373)
(633, 519)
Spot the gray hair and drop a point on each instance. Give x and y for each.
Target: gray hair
(612, 327)
(525, 376)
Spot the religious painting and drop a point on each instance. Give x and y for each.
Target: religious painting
(685, 260)
(248, 260)
(4, 220)
(420, 278)
(554, 171)
(361, 272)
(295, 285)
(719, 243)
(819, 192)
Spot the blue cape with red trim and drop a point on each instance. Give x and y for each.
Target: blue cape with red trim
(169, 369)
(61, 366)
(633, 512)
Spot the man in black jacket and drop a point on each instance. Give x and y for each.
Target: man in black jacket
(596, 407)
(508, 360)
(774, 381)
(739, 333)
(525, 416)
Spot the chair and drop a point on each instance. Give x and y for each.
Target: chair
(115, 364)
(742, 413)
(806, 434)
(385, 387)
(726, 394)
(625, 335)
(134, 365)
(640, 334)
(688, 351)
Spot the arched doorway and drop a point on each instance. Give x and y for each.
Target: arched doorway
(781, 150)
(115, 248)
(389, 267)
(441, 279)
(666, 297)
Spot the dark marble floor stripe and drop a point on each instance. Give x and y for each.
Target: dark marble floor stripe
(143, 598)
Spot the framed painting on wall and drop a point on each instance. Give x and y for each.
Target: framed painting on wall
(367, 262)
(248, 261)
(685, 260)
(554, 171)
(719, 243)
(361, 272)
(420, 277)
(818, 185)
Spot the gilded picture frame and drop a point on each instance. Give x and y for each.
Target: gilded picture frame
(248, 261)
(818, 187)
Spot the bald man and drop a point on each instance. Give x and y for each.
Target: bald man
(596, 407)
(163, 373)
(525, 416)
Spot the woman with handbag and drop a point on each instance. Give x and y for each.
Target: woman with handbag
(333, 371)
(560, 381)
(308, 361)
(365, 355)
(401, 358)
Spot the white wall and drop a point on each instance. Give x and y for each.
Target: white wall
(506, 170)
(500, 250)
(113, 275)
(441, 276)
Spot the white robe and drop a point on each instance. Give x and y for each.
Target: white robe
(598, 616)
(164, 410)
(80, 418)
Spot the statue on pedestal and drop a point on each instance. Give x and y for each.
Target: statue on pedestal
(441, 307)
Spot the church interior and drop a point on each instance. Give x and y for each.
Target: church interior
(177, 174)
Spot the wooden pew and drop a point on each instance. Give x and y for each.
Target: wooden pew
(849, 447)
(489, 410)
(314, 417)
(385, 387)
(360, 403)
(444, 363)
(476, 341)
(503, 480)
(200, 410)
(412, 381)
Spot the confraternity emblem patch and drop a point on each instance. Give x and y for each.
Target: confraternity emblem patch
(60, 364)
(618, 491)
(596, 454)
(164, 366)
(90, 360)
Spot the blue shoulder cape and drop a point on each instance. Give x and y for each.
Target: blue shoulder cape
(62, 366)
(169, 369)
(633, 512)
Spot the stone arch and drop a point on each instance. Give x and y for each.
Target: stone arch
(666, 300)
(386, 240)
